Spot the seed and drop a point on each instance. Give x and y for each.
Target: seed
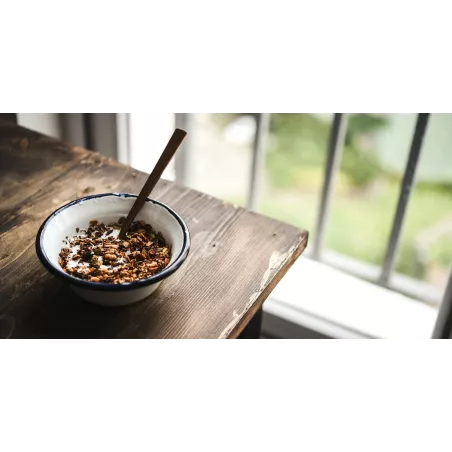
(110, 257)
(94, 279)
(87, 255)
(125, 244)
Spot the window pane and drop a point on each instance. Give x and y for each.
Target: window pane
(294, 167)
(220, 155)
(425, 251)
(149, 133)
(365, 197)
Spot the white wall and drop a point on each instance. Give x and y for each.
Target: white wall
(149, 133)
(45, 123)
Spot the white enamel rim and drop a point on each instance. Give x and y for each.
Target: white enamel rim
(40, 251)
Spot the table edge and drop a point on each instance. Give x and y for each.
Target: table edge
(233, 330)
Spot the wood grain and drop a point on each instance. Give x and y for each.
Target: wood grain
(236, 259)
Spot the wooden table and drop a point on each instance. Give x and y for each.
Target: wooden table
(236, 259)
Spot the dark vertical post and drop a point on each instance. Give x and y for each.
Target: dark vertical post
(335, 147)
(88, 130)
(404, 196)
(443, 326)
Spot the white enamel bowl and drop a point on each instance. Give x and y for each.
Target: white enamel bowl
(109, 207)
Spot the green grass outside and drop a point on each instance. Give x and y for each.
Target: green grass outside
(359, 225)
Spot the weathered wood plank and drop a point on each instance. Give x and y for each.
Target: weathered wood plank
(237, 257)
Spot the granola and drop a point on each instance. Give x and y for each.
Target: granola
(97, 254)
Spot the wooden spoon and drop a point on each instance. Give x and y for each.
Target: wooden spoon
(167, 154)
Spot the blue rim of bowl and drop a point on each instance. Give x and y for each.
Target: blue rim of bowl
(109, 286)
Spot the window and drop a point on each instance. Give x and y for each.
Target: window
(338, 176)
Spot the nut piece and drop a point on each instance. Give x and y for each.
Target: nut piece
(110, 257)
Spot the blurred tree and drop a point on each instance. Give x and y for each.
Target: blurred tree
(299, 140)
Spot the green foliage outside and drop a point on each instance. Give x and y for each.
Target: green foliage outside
(299, 141)
(365, 197)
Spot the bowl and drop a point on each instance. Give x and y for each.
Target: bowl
(108, 208)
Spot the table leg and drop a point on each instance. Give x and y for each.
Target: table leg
(254, 327)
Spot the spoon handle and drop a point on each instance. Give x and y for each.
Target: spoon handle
(167, 154)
